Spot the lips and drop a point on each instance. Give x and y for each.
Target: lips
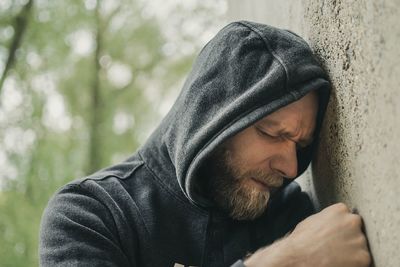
(265, 186)
(260, 184)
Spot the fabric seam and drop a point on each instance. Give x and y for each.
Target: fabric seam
(112, 175)
(266, 42)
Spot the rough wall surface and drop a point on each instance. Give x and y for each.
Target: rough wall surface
(358, 160)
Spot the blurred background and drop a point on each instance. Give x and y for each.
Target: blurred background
(82, 85)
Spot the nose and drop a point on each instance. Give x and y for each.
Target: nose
(285, 162)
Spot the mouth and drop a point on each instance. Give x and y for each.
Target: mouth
(260, 185)
(263, 186)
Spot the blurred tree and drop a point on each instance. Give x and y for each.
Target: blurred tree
(97, 102)
(86, 85)
(20, 23)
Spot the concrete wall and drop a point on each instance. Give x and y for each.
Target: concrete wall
(358, 161)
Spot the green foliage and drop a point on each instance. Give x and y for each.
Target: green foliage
(84, 75)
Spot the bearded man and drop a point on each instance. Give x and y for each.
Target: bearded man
(214, 182)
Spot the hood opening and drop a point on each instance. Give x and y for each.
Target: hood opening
(247, 71)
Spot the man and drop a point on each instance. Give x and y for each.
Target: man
(213, 183)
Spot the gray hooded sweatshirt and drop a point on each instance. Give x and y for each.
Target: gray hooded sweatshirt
(150, 210)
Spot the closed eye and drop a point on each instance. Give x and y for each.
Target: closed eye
(299, 146)
(263, 133)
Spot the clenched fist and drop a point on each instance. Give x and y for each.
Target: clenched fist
(330, 238)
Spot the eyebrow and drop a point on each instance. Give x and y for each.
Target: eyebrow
(270, 122)
(304, 142)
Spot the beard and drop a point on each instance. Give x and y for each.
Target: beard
(230, 189)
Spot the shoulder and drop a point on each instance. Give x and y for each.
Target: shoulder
(102, 193)
(93, 216)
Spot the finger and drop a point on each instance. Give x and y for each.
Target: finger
(356, 220)
(341, 207)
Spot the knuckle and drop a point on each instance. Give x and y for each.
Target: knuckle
(341, 207)
(355, 220)
(362, 241)
(364, 259)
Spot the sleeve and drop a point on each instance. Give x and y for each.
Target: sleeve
(78, 230)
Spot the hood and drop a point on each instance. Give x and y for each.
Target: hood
(247, 71)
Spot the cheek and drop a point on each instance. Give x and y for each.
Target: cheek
(250, 149)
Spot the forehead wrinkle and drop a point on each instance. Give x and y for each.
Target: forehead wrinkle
(284, 127)
(308, 139)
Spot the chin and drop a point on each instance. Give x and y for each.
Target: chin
(249, 205)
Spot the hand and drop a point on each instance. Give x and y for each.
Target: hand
(330, 238)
